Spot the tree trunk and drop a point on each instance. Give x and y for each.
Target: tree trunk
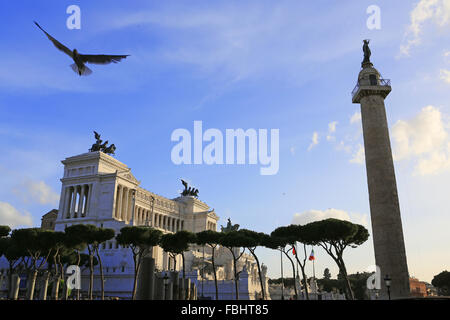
(235, 274)
(102, 277)
(45, 285)
(78, 264)
(91, 271)
(293, 274)
(302, 267)
(55, 289)
(306, 281)
(137, 265)
(63, 278)
(31, 284)
(215, 273)
(259, 273)
(349, 292)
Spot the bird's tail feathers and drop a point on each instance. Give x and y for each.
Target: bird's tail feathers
(85, 71)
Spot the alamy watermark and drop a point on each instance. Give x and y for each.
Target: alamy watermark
(374, 281)
(374, 20)
(74, 280)
(74, 20)
(232, 150)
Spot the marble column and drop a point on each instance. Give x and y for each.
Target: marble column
(74, 200)
(119, 205)
(125, 205)
(88, 199)
(66, 210)
(81, 201)
(387, 229)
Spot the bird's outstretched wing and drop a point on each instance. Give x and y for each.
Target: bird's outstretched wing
(56, 43)
(101, 58)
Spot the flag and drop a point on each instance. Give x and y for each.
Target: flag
(311, 256)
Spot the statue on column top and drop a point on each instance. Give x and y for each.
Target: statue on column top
(367, 53)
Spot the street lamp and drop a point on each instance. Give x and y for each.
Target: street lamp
(387, 282)
(166, 283)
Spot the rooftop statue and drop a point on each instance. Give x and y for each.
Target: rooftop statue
(100, 146)
(229, 227)
(188, 191)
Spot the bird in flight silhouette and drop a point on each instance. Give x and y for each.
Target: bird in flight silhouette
(80, 59)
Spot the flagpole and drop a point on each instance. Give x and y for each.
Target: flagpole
(282, 281)
(314, 270)
(298, 279)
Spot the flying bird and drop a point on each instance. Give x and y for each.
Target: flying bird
(80, 59)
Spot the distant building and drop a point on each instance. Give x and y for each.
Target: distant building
(431, 290)
(48, 220)
(418, 288)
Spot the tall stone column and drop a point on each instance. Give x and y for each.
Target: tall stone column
(132, 213)
(66, 205)
(89, 199)
(125, 205)
(119, 206)
(74, 199)
(390, 254)
(80, 202)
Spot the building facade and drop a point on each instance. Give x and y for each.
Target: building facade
(100, 190)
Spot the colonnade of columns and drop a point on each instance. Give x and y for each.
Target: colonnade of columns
(124, 203)
(211, 226)
(76, 201)
(144, 216)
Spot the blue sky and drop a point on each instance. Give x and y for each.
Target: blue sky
(287, 65)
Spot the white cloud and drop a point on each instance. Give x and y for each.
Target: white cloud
(358, 156)
(37, 191)
(11, 217)
(331, 130)
(356, 117)
(437, 11)
(317, 215)
(445, 75)
(425, 139)
(332, 127)
(315, 141)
